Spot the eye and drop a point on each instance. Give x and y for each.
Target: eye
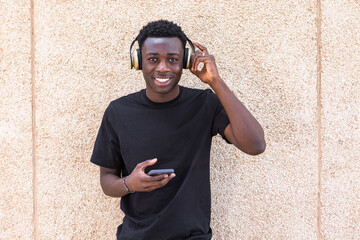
(173, 59)
(152, 59)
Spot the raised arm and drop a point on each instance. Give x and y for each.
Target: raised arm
(244, 131)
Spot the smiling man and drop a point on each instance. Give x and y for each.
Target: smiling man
(168, 126)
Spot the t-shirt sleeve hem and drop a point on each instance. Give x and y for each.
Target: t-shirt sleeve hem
(222, 132)
(102, 164)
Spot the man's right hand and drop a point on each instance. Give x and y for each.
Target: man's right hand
(139, 181)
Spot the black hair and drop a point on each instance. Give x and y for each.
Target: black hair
(161, 28)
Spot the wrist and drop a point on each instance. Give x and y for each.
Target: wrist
(126, 186)
(216, 82)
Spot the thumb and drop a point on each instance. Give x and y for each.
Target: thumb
(147, 163)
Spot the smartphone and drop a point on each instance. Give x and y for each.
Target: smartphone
(155, 172)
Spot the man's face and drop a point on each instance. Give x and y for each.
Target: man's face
(162, 64)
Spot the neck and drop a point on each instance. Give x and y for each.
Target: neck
(163, 97)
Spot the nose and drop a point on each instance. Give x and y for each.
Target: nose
(162, 66)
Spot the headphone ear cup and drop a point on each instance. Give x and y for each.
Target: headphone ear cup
(138, 52)
(136, 60)
(187, 58)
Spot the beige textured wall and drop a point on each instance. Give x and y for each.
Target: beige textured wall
(295, 64)
(16, 186)
(341, 120)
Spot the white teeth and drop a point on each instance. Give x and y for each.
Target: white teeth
(162, 79)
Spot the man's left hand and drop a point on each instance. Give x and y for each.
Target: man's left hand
(209, 72)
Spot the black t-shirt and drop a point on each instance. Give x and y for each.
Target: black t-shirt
(178, 133)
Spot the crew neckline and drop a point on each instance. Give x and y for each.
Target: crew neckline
(162, 104)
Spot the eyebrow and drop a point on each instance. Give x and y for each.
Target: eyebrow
(151, 53)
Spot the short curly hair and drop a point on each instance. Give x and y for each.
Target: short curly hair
(161, 28)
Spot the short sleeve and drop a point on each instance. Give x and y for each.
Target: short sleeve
(106, 152)
(221, 120)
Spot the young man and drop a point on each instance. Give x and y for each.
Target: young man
(169, 126)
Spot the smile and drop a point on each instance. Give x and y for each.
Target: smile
(162, 80)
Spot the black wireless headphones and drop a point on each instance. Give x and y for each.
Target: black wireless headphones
(135, 59)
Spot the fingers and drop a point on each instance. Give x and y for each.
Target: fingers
(150, 183)
(158, 182)
(201, 55)
(197, 58)
(201, 47)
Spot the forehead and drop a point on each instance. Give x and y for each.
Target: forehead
(162, 45)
